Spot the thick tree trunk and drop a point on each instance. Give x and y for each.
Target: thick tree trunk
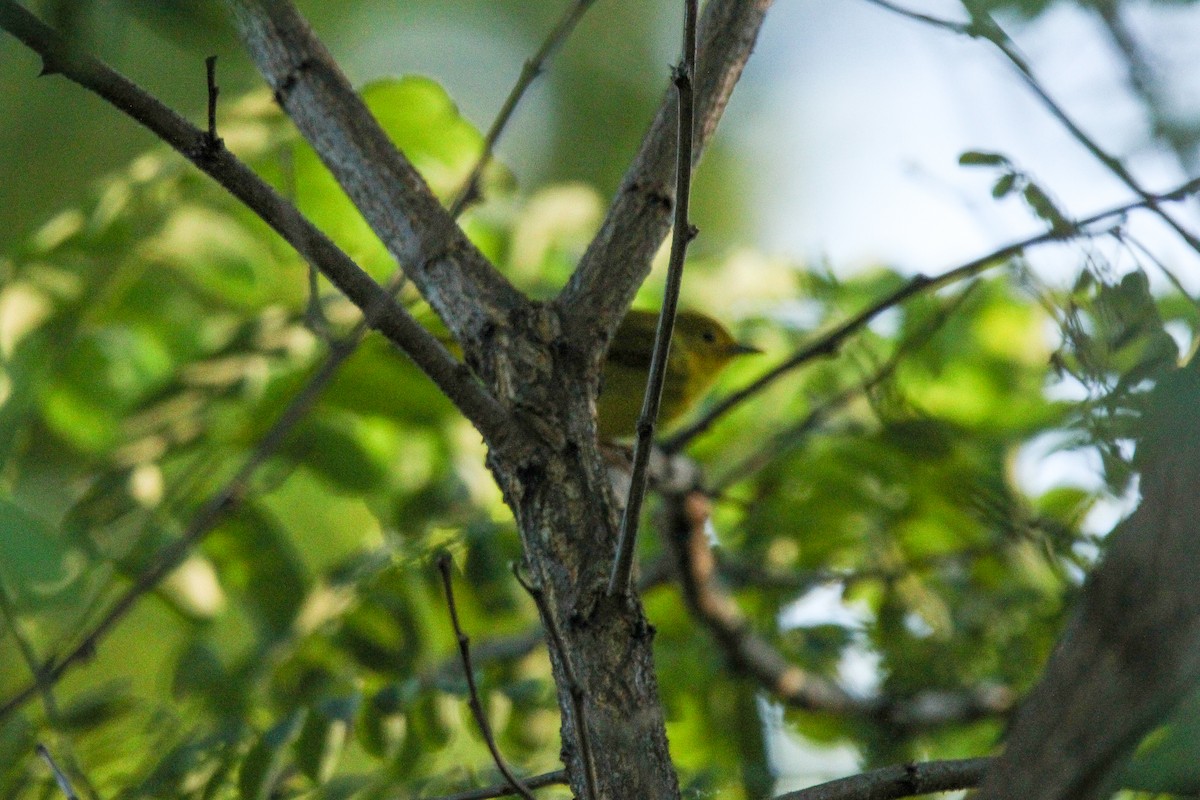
(569, 524)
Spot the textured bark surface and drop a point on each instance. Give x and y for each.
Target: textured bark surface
(565, 511)
(1132, 650)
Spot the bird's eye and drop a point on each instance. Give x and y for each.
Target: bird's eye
(709, 336)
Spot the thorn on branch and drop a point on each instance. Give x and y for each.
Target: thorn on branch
(210, 68)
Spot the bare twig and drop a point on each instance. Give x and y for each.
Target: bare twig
(530, 70)
(687, 516)
(830, 342)
(391, 319)
(622, 569)
(618, 259)
(558, 776)
(578, 700)
(904, 780)
(64, 784)
(464, 649)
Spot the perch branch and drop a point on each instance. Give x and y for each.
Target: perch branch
(905, 780)
(554, 778)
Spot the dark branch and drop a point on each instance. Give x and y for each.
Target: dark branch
(622, 569)
(790, 437)
(464, 649)
(210, 69)
(505, 789)
(905, 780)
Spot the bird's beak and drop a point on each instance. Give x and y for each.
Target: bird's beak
(739, 349)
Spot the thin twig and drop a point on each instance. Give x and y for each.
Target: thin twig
(64, 784)
(984, 26)
(904, 780)
(464, 649)
(828, 343)
(574, 687)
(49, 702)
(683, 233)
(554, 778)
(530, 70)
(789, 437)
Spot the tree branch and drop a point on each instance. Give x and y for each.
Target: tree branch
(622, 569)
(464, 649)
(984, 26)
(530, 70)
(466, 291)
(830, 342)
(618, 258)
(554, 778)
(578, 698)
(687, 516)
(1131, 650)
(453, 378)
(907, 780)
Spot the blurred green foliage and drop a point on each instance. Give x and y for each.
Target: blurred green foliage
(149, 337)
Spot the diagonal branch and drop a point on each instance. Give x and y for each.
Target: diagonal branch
(454, 379)
(684, 81)
(982, 25)
(686, 537)
(454, 277)
(618, 259)
(464, 650)
(829, 343)
(530, 70)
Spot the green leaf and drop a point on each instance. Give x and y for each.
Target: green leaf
(981, 158)
(267, 760)
(35, 564)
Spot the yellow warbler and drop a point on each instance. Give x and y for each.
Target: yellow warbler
(700, 349)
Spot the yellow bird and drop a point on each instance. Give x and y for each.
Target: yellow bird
(700, 349)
